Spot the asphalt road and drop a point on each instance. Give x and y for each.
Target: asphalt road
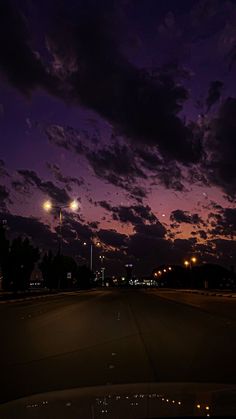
(114, 336)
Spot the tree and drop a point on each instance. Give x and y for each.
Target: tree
(22, 259)
(46, 266)
(4, 258)
(84, 277)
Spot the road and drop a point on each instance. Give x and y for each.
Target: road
(115, 336)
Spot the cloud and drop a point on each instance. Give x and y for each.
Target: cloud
(65, 137)
(223, 223)
(32, 227)
(83, 232)
(21, 187)
(167, 173)
(181, 216)
(67, 180)
(202, 234)
(214, 93)
(21, 65)
(117, 160)
(47, 187)
(4, 198)
(95, 72)
(126, 215)
(112, 238)
(220, 166)
(151, 230)
(151, 251)
(134, 214)
(3, 171)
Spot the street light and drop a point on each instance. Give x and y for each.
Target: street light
(74, 205)
(97, 244)
(101, 257)
(48, 206)
(194, 259)
(186, 263)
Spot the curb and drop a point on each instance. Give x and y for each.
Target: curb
(38, 297)
(209, 294)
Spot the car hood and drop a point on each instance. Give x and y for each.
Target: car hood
(139, 400)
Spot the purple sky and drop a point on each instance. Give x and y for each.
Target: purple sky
(129, 107)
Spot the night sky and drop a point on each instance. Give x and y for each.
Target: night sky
(129, 107)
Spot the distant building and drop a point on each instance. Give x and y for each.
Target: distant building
(36, 278)
(129, 271)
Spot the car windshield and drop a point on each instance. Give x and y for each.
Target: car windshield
(117, 206)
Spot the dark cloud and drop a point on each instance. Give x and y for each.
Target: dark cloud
(140, 106)
(21, 187)
(95, 72)
(21, 65)
(47, 187)
(167, 173)
(112, 238)
(65, 137)
(126, 215)
(67, 180)
(94, 224)
(202, 234)
(4, 198)
(134, 214)
(214, 93)
(105, 205)
(223, 223)
(116, 164)
(151, 230)
(145, 212)
(181, 216)
(138, 193)
(83, 232)
(3, 171)
(31, 227)
(150, 251)
(221, 145)
(225, 250)
(117, 160)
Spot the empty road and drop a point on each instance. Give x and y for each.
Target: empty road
(115, 336)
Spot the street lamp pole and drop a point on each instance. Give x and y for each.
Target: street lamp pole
(60, 231)
(73, 205)
(91, 258)
(91, 253)
(102, 269)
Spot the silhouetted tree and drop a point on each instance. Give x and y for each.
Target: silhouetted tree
(4, 258)
(68, 266)
(84, 277)
(47, 268)
(22, 258)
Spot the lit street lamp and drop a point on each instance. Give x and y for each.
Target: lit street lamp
(48, 206)
(186, 263)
